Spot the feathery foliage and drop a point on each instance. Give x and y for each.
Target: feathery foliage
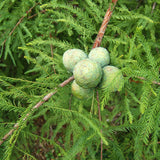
(34, 36)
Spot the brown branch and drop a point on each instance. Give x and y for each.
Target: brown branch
(154, 5)
(43, 11)
(100, 119)
(154, 82)
(20, 20)
(103, 27)
(48, 96)
(142, 78)
(99, 110)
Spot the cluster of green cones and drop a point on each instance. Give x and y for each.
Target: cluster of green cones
(91, 71)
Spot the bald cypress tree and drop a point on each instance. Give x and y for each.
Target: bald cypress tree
(113, 125)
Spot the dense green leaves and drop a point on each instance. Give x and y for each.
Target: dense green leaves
(34, 36)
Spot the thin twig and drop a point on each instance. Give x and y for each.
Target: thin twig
(142, 78)
(48, 96)
(154, 82)
(20, 20)
(99, 111)
(154, 5)
(43, 11)
(103, 27)
(100, 119)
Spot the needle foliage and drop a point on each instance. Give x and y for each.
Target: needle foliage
(34, 34)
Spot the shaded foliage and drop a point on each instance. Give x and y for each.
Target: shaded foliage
(31, 66)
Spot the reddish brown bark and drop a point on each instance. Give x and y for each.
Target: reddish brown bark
(103, 28)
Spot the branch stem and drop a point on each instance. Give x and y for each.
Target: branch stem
(154, 82)
(100, 119)
(104, 25)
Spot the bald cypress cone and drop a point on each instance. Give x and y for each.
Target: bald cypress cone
(71, 57)
(112, 79)
(80, 92)
(87, 73)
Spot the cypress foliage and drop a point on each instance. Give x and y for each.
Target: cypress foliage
(34, 36)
